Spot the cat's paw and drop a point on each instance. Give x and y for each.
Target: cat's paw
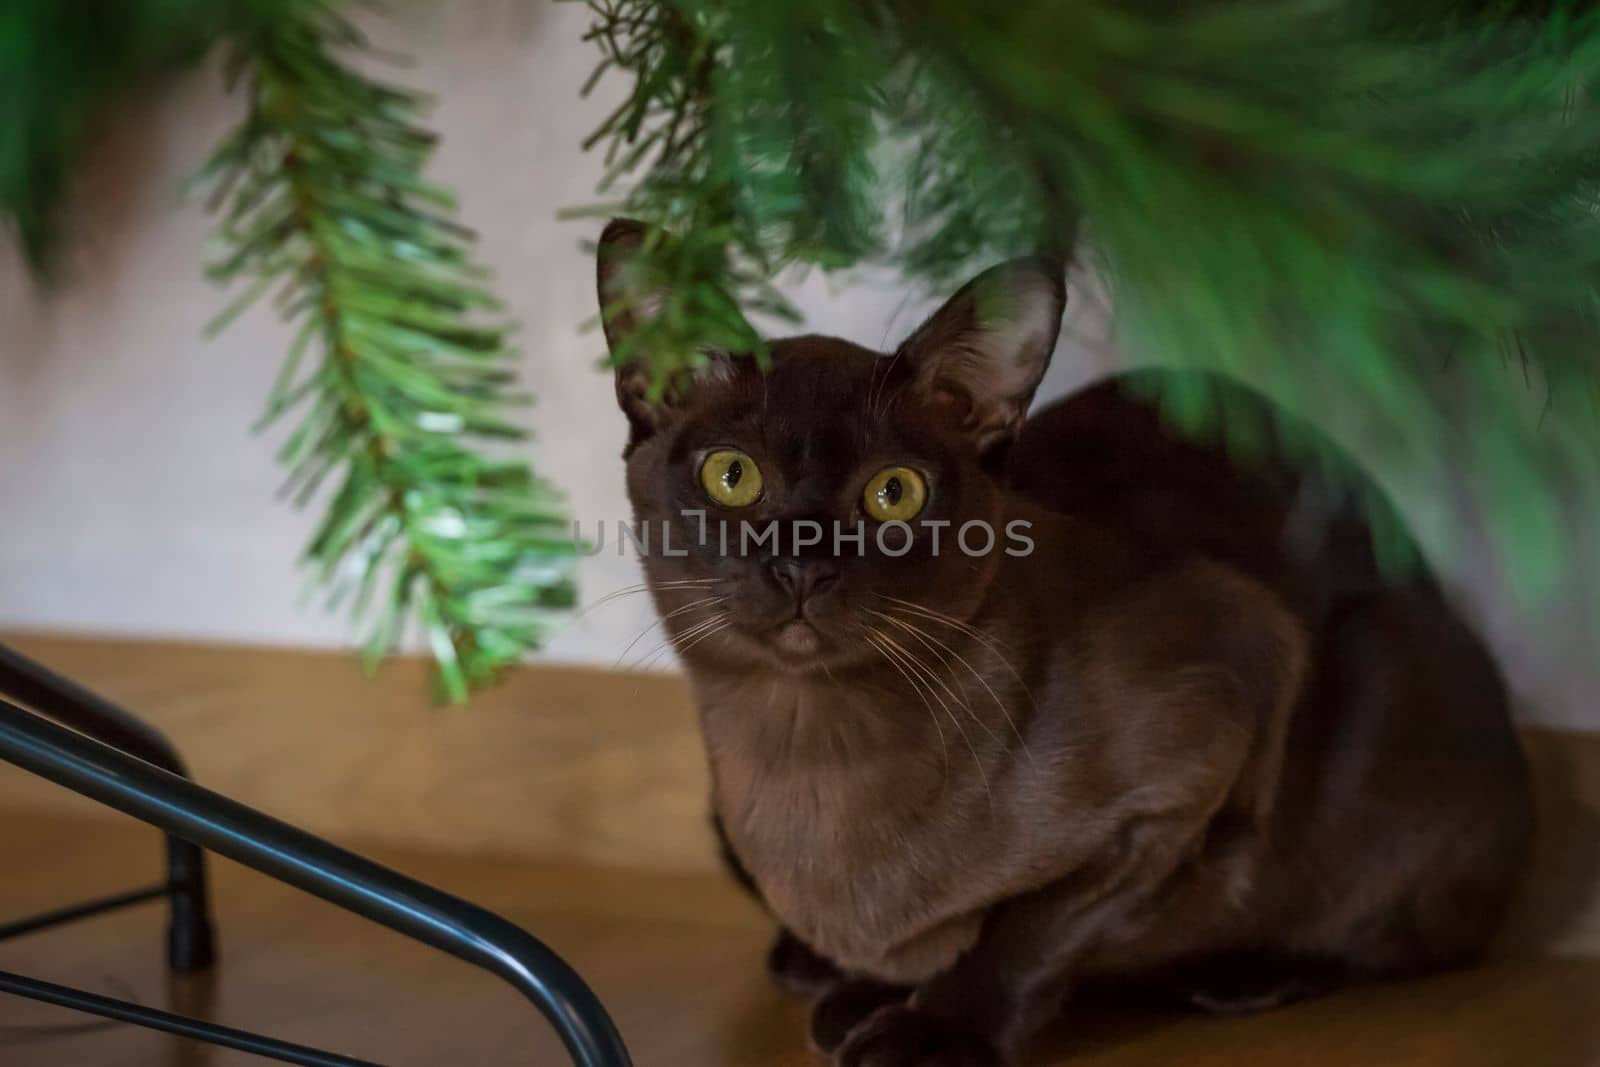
(796, 969)
(902, 1036)
(845, 1006)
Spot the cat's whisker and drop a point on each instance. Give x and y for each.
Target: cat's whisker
(722, 624)
(935, 645)
(636, 639)
(701, 629)
(939, 651)
(632, 590)
(713, 601)
(949, 620)
(994, 645)
(642, 587)
(930, 675)
(687, 635)
(933, 678)
(872, 638)
(938, 678)
(651, 657)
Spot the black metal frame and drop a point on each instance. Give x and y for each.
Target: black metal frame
(143, 777)
(190, 941)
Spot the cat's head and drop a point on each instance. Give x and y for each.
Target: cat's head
(864, 466)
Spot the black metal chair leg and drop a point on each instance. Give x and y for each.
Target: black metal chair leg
(297, 858)
(191, 940)
(155, 1019)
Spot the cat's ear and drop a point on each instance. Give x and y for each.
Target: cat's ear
(629, 299)
(982, 355)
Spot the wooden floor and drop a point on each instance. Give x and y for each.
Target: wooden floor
(678, 958)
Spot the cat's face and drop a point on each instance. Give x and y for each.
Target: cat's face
(785, 512)
(809, 451)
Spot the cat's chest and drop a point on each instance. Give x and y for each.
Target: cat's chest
(851, 874)
(858, 851)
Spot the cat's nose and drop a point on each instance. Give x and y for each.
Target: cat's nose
(802, 578)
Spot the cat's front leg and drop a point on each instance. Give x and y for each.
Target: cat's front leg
(985, 1008)
(797, 968)
(903, 1035)
(845, 1005)
(979, 1013)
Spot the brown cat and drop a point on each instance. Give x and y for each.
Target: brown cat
(1171, 725)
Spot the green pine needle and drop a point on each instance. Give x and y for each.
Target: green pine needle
(397, 372)
(63, 66)
(1384, 215)
(1384, 218)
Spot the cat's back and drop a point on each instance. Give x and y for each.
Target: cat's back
(1108, 455)
(1397, 680)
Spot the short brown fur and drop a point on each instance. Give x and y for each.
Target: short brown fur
(1195, 740)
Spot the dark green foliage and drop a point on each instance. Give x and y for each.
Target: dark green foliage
(65, 63)
(786, 175)
(1386, 218)
(1383, 214)
(401, 370)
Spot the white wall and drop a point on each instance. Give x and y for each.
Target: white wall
(138, 500)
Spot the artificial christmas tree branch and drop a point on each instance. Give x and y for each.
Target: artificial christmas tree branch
(1384, 214)
(401, 369)
(62, 65)
(1330, 200)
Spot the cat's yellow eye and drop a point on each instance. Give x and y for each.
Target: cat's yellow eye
(895, 494)
(731, 478)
